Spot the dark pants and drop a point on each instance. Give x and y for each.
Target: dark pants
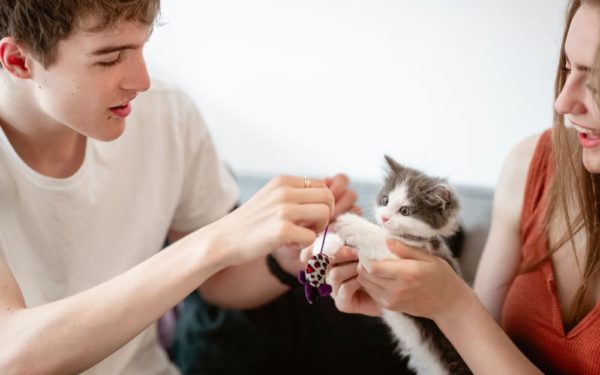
(288, 336)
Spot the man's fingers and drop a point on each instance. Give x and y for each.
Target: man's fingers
(306, 253)
(337, 184)
(345, 203)
(298, 182)
(356, 210)
(296, 234)
(313, 215)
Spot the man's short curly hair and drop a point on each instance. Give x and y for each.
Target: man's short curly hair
(39, 25)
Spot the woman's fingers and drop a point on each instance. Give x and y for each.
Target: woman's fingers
(352, 298)
(344, 295)
(344, 255)
(394, 269)
(406, 252)
(338, 275)
(371, 284)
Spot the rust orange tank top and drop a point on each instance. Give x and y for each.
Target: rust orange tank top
(531, 313)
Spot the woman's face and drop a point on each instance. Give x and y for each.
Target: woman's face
(576, 100)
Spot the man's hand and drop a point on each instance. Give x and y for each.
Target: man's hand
(345, 198)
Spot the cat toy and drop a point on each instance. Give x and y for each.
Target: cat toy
(313, 278)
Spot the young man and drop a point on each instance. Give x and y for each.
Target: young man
(82, 220)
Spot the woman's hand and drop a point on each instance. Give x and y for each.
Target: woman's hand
(285, 212)
(348, 294)
(418, 283)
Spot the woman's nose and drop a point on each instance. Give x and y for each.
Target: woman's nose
(571, 99)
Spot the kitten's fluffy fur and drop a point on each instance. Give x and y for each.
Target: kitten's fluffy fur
(418, 210)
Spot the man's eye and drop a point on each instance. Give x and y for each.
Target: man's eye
(111, 62)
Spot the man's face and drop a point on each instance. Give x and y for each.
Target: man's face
(93, 79)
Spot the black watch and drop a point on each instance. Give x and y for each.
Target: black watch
(280, 274)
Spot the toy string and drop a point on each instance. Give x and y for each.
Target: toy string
(323, 243)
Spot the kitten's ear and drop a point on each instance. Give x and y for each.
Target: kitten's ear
(393, 164)
(441, 196)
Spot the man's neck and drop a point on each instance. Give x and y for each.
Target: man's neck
(47, 147)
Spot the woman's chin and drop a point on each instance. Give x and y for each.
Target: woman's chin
(591, 160)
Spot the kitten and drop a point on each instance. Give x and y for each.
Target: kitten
(420, 211)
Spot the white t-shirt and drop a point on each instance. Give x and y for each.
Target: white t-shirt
(62, 236)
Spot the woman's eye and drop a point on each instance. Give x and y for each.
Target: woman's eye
(404, 211)
(592, 89)
(385, 200)
(566, 70)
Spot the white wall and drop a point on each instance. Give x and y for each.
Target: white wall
(319, 86)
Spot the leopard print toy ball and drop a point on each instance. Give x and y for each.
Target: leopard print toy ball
(317, 269)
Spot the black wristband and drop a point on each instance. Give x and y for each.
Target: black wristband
(280, 274)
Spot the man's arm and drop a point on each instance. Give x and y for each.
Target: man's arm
(252, 285)
(247, 286)
(74, 333)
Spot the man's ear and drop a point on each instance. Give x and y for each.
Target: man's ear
(13, 58)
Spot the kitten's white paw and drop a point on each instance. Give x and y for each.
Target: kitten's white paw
(365, 236)
(365, 262)
(332, 244)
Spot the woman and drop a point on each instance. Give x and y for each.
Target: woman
(535, 306)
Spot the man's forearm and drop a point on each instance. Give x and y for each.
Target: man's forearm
(243, 287)
(75, 333)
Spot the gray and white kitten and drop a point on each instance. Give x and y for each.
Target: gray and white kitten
(420, 211)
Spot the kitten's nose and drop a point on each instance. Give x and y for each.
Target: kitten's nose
(384, 218)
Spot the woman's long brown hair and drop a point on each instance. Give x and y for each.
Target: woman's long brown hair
(573, 194)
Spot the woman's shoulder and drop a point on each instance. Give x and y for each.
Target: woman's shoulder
(521, 154)
(517, 163)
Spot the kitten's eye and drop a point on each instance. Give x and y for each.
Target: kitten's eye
(385, 200)
(404, 211)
